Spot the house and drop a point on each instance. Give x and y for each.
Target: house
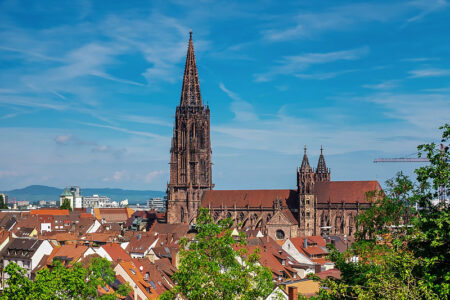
(140, 244)
(309, 250)
(113, 215)
(278, 294)
(158, 274)
(4, 239)
(131, 274)
(112, 252)
(68, 254)
(26, 232)
(27, 253)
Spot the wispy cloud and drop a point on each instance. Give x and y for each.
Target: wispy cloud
(324, 75)
(429, 73)
(308, 24)
(243, 111)
(149, 177)
(292, 65)
(125, 130)
(385, 85)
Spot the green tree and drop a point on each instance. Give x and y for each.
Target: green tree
(66, 204)
(60, 282)
(403, 253)
(430, 240)
(3, 205)
(216, 266)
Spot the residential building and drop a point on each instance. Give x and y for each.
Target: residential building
(157, 203)
(97, 201)
(27, 253)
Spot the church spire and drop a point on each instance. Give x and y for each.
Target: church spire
(190, 93)
(305, 163)
(322, 173)
(321, 165)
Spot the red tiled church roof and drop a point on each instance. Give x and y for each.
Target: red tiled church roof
(252, 198)
(344, 191)
(333, 191)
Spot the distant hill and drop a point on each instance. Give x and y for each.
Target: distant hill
(34, 193)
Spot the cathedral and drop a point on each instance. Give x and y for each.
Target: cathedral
(318, 206)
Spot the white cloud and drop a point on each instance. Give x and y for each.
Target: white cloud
(345, 17)
(8, 173)
(385, 85)
(292, 65)
(429, 73)
(243, 111)
(149, 177)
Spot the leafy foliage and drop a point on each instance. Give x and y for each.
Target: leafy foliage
(66, 204)
(216, 266)
(403, 253)
(3, 205)
(59, 282)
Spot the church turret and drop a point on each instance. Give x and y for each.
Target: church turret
(305, 176)
(322, 173)
(305, 186)
(190, 161)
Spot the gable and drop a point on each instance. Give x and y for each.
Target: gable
(280, 218)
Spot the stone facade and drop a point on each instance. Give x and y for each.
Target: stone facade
(318, 206)
(190, 160)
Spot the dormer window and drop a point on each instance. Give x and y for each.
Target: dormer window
(283, 262)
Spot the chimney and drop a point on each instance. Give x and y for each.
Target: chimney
(293, 293)
(317, 268)
(174, 256)
(305, 243)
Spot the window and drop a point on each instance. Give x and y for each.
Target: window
(307, 202)
(307, 214)
(280, 234)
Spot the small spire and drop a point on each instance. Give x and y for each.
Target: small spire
(190, 92)
(321, 165)
(305, 162)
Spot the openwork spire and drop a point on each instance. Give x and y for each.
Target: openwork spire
(305, 162)
(190, 93)
(321, 165)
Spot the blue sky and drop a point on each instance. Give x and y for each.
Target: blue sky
(88, 89)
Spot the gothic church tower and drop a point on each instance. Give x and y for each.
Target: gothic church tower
(190, 160)
(305, 186)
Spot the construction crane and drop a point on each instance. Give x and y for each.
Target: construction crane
(401, 159)
(442, 189)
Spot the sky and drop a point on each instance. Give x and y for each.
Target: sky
(88, 89)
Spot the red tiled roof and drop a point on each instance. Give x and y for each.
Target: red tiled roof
(116, 252)
(135, 275)
(344, 191)
(252, 198)
(53, 212)
(289, 216)
(330, 273)
(73, 251)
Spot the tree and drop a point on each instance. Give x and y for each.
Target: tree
(410, 263)
(60, 282)
(3, 205)
(430, 240)
(66, 204)
(216, 266)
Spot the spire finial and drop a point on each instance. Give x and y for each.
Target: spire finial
(190, 34)
(304, 148)
(321, 149)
